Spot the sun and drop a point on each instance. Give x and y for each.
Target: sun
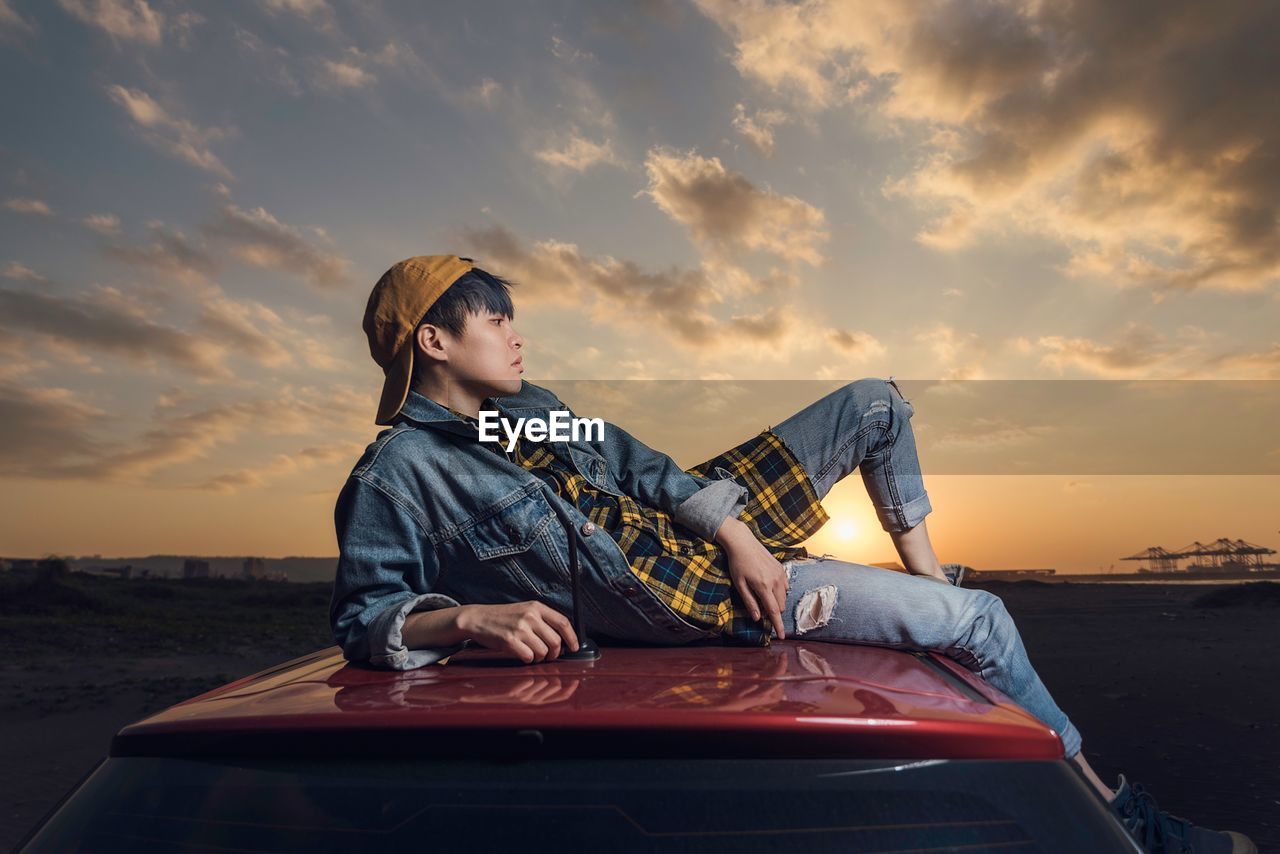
(846, 529)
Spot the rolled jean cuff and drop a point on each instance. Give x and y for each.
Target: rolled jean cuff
(705, 511)
(386, 644)
(904, 516)
(1070, 740)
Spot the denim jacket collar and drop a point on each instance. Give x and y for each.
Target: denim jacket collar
(425, 411)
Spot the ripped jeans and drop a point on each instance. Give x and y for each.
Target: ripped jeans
(866, 425)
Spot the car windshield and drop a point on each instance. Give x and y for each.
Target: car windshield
(142, 803)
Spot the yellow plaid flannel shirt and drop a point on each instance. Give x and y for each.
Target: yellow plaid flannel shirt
(689, 574)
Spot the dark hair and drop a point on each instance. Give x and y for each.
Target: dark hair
(475, 292)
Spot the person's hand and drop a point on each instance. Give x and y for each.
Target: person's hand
(757, 575)
(531, 631)
(755, 695)
(529, 691)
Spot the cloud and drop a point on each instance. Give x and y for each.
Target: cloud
(636, 21)
(49, 433)
(780, 334)
(173, 397)
(103, 322)
(169, 253)
(12, 21)
(177, 439)
(182, 24)
(16, 358)
(103, 223)
(176, 136)
(1139, 354)
(318, 13)
(855, 343)
(1145, 144)
(345, 75)
(553, 272)
(57, 433)
(725, 212)
(52, 433)
(22, 273)
(305, 8)
(283, 465)
(272, 62)
(959, 355)
(562, 50)
(1245, 364)
(732, 280)
(353, 69)
(574, 132)
(766, 327)
(129, 326)
(673, 303)
(258, 238)
(582, 103)
(758, 128)
(129, 20)
(43, 429)
(253, 236)
(577, 153)
(487, 92)
(236, 325)
(392, 55)
(253, 329)
(986, 434)
(35, 207)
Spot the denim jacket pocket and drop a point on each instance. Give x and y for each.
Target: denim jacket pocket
(593, 467)
(515, 543)
(511, 529)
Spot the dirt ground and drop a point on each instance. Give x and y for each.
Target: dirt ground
(1180, 698)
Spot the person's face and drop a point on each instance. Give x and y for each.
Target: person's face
(486, 358)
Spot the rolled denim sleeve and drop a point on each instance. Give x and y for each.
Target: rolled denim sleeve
(386, 646)
(386, 570)
(652, 477)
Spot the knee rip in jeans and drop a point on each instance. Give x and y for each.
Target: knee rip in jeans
(815, 608)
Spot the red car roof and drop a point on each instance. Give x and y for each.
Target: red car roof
(796, 697)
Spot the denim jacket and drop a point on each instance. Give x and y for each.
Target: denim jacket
(430, 518)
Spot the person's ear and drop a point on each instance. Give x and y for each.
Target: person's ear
(431, 342)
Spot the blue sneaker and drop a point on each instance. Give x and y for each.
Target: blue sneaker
(1160, 833)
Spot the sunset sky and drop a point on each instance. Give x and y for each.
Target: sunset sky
(765, 199)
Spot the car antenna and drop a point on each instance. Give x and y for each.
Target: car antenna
(587, 649)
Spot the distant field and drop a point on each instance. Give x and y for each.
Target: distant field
(51, 616)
